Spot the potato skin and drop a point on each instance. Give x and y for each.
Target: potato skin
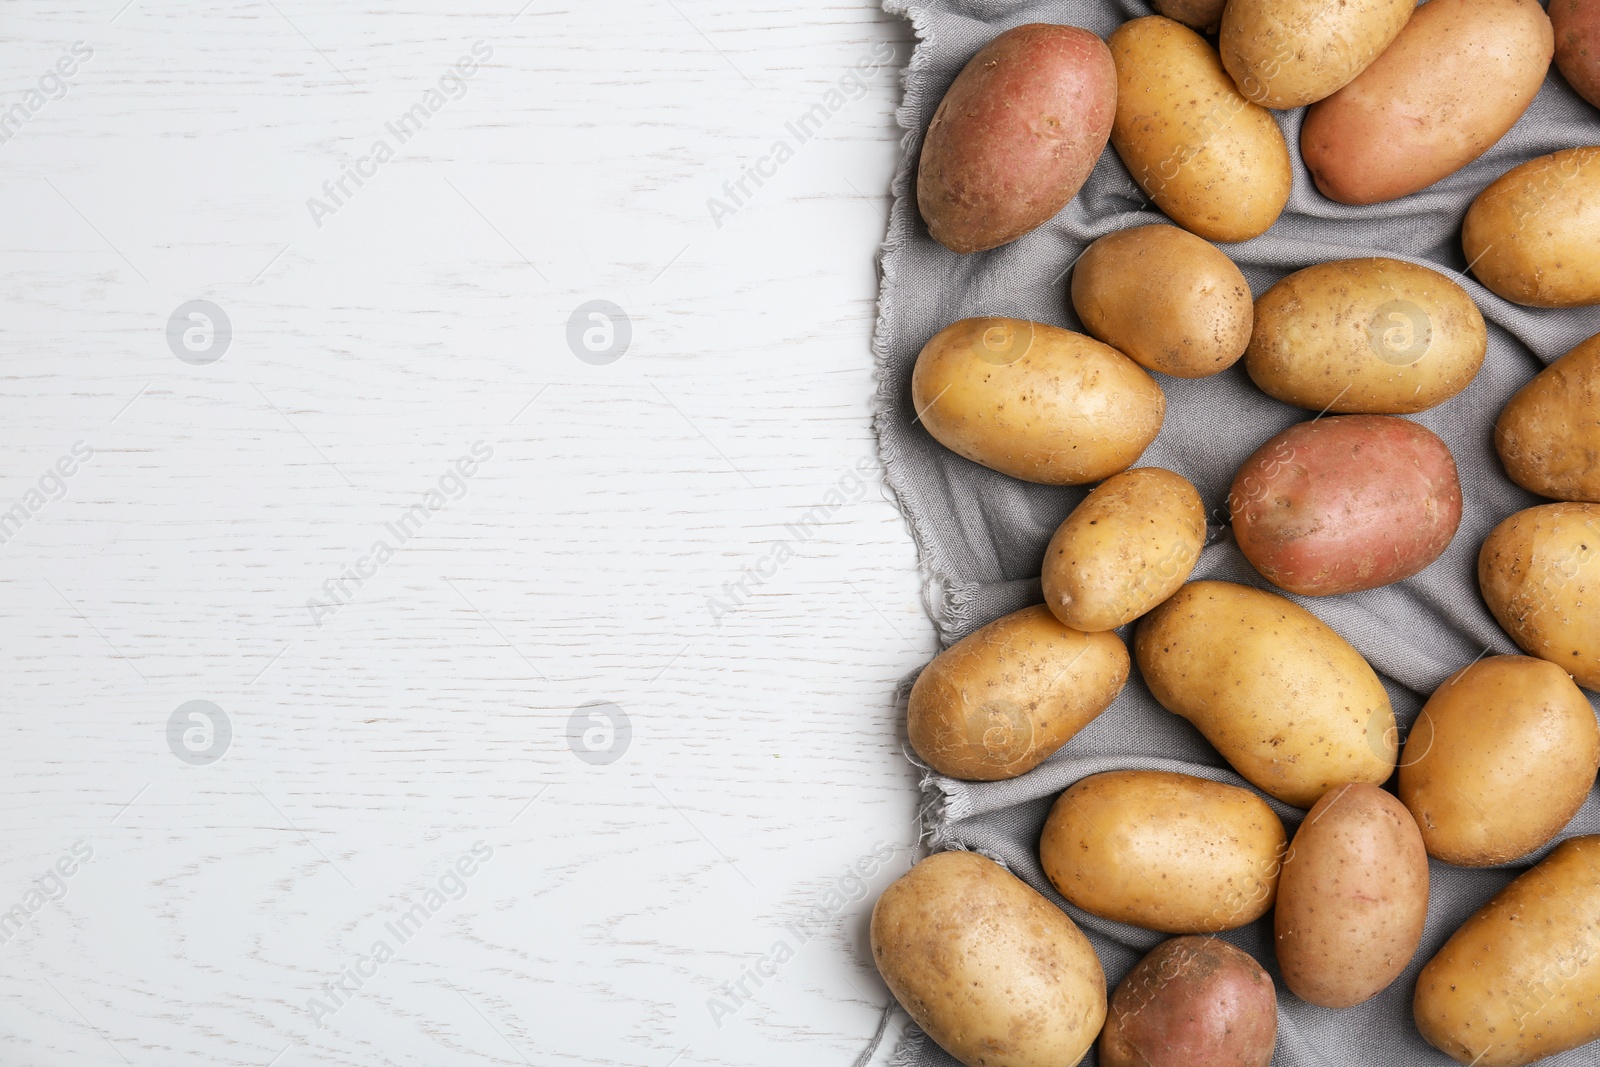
(1015, 136)
(1166, 299)
(1457, 78)
(1518, 982)
(994, 972)
(1533, 236)
(1127, 547)
(1352, 899)
(1286, 700)
(1003, 699)
(1036, 402)
(1346, 503)
(1192, 1002)
(1577, 29)
(1500, 759)
(1539, 572)
(1214, 162)
(1548, 434)
(1286, 53)
(1376, 336)
(1168, 852)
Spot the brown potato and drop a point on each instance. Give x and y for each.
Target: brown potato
(1283, 697)
(1533, 236)
(1352, 898)
(1192, 1002)
(1457, 78)
(1214, 162)
(1036, 402)
(1285, 53)
(991, 970)
(1016, 136)
(1500, 760)
(1378, 336)
(1202, 15)
(1347, 503)
(1539, 572)
(1125, 549)
(1577, 28)
(1003, 699)
(1548, 435)
(1164, 851)
(1165, 299)
(1519, 981)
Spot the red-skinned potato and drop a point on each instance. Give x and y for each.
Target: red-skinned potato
(1352, 897)
(1456, 79)
(1192, 1002)
(1577, 26)
(1016, 135)
(1341, 504)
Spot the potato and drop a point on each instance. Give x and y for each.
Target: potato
(1003, 699)
(1036, 402)
(1519, 981)
(1192, 1002)
(1347, 503)
(994, 972)
(1456, 79)
(1577, 30)
(1378, 336)
(1165, 299)
(1548, 435)
(1283, 697)
(1285, 53)
(1015, 136)
(1164, 851)
(1202, 15)
(1213, 161)
(1125, 549)
(1352, 898)
(1539, 571)
(1500, 760)
(1533, 236)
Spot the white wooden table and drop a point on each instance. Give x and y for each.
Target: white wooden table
(396, 745)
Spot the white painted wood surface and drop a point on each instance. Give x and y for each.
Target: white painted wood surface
(430, 711)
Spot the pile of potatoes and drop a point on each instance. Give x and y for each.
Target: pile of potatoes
(1355, 497)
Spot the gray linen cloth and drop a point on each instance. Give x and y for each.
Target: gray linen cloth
(982, 535)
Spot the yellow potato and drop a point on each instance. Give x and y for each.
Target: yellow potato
(991, 970)
(1004, 698)
(1533, 236)
(1164, 851)
(1285, 53)
(1548, 435)
(1520, 980)
(1036, 402)
(1500, 760)
(1125, 549)
(1214, 162)
(1377, 336)
(1539, 572)
(1164, 298)
(1352, 898)
(1283, 697)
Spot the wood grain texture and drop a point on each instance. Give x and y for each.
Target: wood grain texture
(579, 564)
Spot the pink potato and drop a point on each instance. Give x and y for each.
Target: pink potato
(1577, 26)
(1341, 504)
(1016, 135)
(1192, 1002)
